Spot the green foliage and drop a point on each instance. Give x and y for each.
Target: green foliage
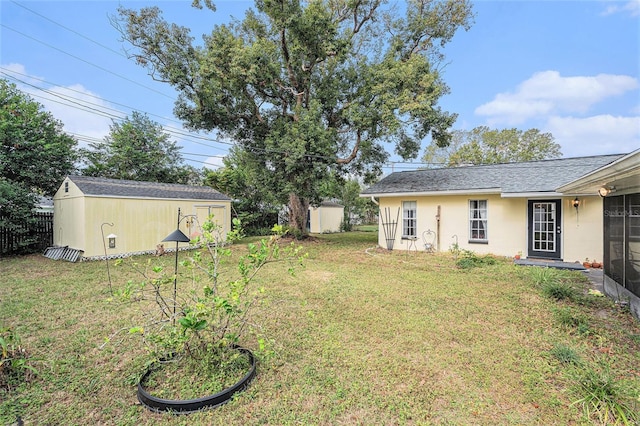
(15, 364)
(482, 145)
(565, 354)
(558, 290)
(205, 328)
(553, 283)
(35, 156)
(35, 153)
(572, 318)
(604, 397)
(470, 260)
(255, 207)
(307, 89)
(138, 149)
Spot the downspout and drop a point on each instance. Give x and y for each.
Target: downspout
(438, 230)
(374, 201)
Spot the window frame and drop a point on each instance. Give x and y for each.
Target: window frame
(475, 216)
(409, 223)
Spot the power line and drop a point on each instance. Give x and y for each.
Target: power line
(85, 61)
(70, 30)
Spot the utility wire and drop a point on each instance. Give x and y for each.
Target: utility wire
(70, 30)
(85, 61)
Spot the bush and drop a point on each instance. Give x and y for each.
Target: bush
(470, 259)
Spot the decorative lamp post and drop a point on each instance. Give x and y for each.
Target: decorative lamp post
(179, 237)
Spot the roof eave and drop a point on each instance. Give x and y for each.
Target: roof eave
(432, 193)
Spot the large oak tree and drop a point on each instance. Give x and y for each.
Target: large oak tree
(309, 87)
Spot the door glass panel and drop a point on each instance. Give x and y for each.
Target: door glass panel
(544, 226)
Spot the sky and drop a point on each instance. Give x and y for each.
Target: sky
(571, 68)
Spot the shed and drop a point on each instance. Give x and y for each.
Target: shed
(325, 218)
(139, 214)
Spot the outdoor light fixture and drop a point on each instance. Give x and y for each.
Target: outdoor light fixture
(179, 237)
(576, 203)
(604, 191)
(112, 240)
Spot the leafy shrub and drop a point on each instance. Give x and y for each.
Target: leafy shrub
(470, 259)
(605, 398)
(15, 365)
(206, 327)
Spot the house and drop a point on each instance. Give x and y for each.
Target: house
(504, 209)
(618, 183)
(120, 217)
(325, 218)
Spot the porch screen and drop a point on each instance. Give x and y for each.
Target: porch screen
(622, 240)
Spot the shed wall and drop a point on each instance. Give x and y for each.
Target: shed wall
(325, 219)
(139, 223)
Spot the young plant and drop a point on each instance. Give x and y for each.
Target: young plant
(15, 365)
(604, 397)
(208, 325)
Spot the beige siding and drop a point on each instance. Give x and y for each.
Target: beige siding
(325, 219)
(140, 224)
(69, 216)
(507, 226)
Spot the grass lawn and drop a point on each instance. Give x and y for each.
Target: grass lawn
(358, 336)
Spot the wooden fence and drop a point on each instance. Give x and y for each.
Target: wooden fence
(25, 240)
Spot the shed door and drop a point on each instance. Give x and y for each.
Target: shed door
(545, 228)
(202, 215)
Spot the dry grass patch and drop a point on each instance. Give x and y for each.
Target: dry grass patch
(357, 336)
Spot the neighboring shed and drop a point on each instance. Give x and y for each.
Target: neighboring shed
(140, 214)
(504, 209)
(325, 218)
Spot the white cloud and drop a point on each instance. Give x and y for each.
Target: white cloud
(81, 111)
(631, 7)
(601, 134)
(548, 93)
(214, 162)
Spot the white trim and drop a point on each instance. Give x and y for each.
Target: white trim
(539, 195)
(619, 168)
(434, 193)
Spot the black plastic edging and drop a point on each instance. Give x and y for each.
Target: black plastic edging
(187, 406)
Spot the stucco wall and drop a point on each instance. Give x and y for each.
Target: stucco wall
(507, 226)
(583, 229)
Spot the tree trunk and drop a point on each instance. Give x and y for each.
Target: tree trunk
(298, 208)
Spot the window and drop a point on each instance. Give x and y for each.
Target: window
(409, 219)
(478, 221)
(66, 187)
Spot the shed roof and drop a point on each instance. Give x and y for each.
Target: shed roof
(135, 189)
(508, 178)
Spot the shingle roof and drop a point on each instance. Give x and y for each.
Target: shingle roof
(130, 188)
(525, 177)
